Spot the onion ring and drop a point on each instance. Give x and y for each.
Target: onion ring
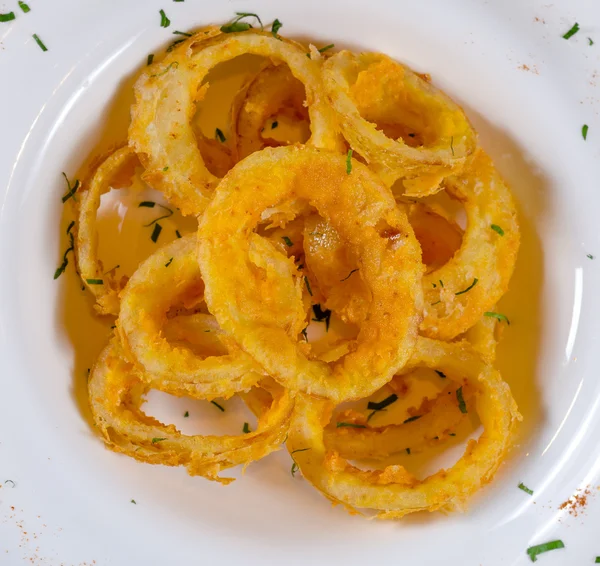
(239, 282)
(102, 285)
(115, 395)
(393, 492)
(161, 132)
(145, 301)
(371, 87)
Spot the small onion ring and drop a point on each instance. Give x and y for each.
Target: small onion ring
(115, 396)
(90, 267)
(366, 83)
(161, 132)
(238, 289)
(393, 492)
(145, 301)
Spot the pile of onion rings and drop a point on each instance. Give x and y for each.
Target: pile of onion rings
(329, 267)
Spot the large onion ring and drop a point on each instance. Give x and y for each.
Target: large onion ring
(238, 290)
(90, 267)
(168, 276)
(115, 395)
(393, 492)
(376, 87)
(161, 132)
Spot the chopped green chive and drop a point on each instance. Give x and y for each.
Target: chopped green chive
(322, 315)
(274, 124)
(348, 276)
(452, 145)
(497, 229)
(177, 233)
(150, 58)
(237, 25)
(305, 335)
(174, 45)
(275, 27)
(61, 269)
(326, 48)
(584, 131)
(307, 285)
(246, 428)
(468, 288)
(523, 487)
(7, 17)
(155, 440)
(94, 281)
(597, 561)
(451, 434)
(349, 162)
(156, 232)
(436, 303)
(164, 21)
(381, 405)
(11, 482)
(24, 7)
(572, 31)
(350, 425)
(408, 451)
(219, 135)
(500, 317)
(287, 241)
(461, 401)
(590, 256)
(133, 501)
(441, 284)
(440, 373)
(182, 33)
(71, 189)
(168, 262)
(173, 65)
(147, 204)
(294, 465)
(186, 414)
(591, 42)
(534, 551)
(218, 406)
(150, 204)
(411, 419)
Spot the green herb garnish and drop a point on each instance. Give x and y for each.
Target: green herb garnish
(186, 414)
(590, 256)
(275, 27)
(348, 276)
(381, 405)
(408, 451)
(71, 189)
(156, 232)
(174, 45)
(24, 7)
(133, 501)
(307, 285)
(350, 425)
(584, 131)
(322, 315)
(461, 401)
(237, 25)
(174, 64)
(155, 440)
(150, 58)
(294, 465)
(452, 145)
(572, 31)
(533, 551)
(7, 17)
(164, 21)
(327, 47)
(523, 487)
(218, 406)
(219, 135)
(168, 262)
(349, 162)
(61, 269)
(177, 233)
(304, 335)
(246, 428)
(182, 33)
(440, 373)
(274, 124)
(10, 481)
(411, 419)
(497, 229)
(500, 317)
(287, 241)
(468, 288)
(441, 283)
(591, 42)
(436, 303)
(94, 281)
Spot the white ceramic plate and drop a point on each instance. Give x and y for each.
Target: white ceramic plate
(528, 91)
